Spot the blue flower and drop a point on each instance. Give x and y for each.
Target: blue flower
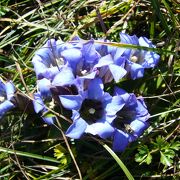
(111, 64)
(7, 91)
(126, 60)
(41, 109)
(138, 60)
(109, 70)
(81, 57)
(46, 61)
(131, 120)
(57, 64)
(93, 110)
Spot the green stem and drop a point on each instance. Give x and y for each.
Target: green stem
(27, 154)
(120, 163)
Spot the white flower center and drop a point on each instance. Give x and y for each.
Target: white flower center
(134, 59)
(92, 111)
(84, 72)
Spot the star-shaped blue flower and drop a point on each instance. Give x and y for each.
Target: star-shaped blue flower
(131, 120)
(138, 60)
(93, 110)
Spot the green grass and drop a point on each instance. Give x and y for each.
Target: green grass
(29, 149)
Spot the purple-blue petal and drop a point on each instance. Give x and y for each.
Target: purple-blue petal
(5, 107)
(38, 103)
(44, 87)
(89, 52)
(121, 92)
(10, 90)
(71, 102)
(2, 88)
(151, 59)
(116, 104)
(101, 128)
(64, 77)
(138, 127)
(48, 120)
(117, 71)
(127, 39)
(120, 140)
(95, 89)
(48, 53)
(72, 57)
(136, 70)
(49, 73)
(104, 61)
(77, 129)
(141, 110)
(39, 66)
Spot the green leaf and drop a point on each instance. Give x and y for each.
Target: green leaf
(48, 114)
(59, 151)
(161, 143)
(27, 154)
(175, 145)
(144, 156)
(165, 159)
(149, 159)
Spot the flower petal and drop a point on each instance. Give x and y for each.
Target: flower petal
(89, 76)
(49, 73)
(120, 141)
(48, 53)
(102, 128)
(44, 87)
(137, 71)
(138, 127)
(127, 39)
(64, 77)
(121, 92)
(141, 110)
(71, 102)
(48, 119)
(39, 66)
(10, 90)
(117, 71)
(38, 103)
(95, 89)
(77, 129)
(114, 106)
(5, 107)
(104, 61)
(72, 56)
(89, 52)
(2, 88)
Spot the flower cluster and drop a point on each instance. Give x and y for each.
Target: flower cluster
(73, 74)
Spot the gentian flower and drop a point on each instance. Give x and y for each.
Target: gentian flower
(7, 91)
(138, 60)
(131, 120)
(92, 110)
(81, 57)
(133, 61)
(111, 65)
(56, 61)
(46, 61)
(40, 108)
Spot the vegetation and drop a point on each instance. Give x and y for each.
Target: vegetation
(31, 149)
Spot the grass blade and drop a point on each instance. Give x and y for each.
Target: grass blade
(120, 163)
(27, 154)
